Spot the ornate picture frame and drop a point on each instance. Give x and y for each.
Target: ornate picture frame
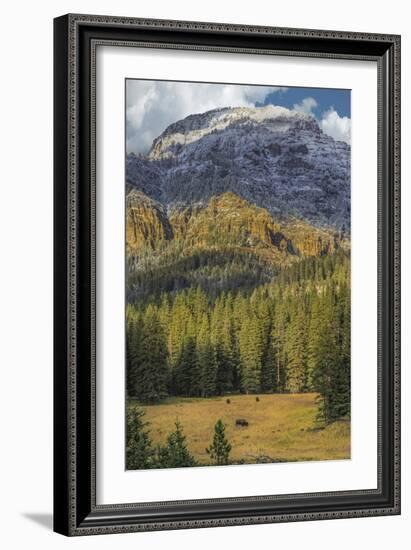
(76, 39)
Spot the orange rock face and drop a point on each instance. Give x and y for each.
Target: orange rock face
(225, 221)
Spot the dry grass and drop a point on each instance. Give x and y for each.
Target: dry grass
(280, 427)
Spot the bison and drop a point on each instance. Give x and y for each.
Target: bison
(241, 422)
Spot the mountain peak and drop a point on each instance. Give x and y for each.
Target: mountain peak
(271, 156)
(195, 127)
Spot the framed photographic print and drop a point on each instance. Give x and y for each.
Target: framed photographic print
(227, 292)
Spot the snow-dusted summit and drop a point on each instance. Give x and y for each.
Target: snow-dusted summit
(271, 156)
(195, 127)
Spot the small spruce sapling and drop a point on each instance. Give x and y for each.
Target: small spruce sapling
(139, 453)
(220, 448)
(175, 454)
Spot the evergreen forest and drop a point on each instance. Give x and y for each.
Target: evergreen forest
(291, 335)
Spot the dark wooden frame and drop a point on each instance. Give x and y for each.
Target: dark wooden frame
(75, 40)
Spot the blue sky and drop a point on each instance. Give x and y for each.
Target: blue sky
(339, 100)
(152, 105)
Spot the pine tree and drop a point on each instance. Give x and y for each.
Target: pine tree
(190, 327)
(130, 374)
(278, 347)
(297, 370)
(152, 368)
(228, 370)
(177, 330)
(175, 454)
(325, 358)
(267, 378)
(220, 448)
(251, 355)
(139, 453)
(345, 406)
(220, 337)
(164, 312)
(268, 382)
(199, 304)
(240, 313)
(208, 362)
(188, 370)
(134, 352)
(206, 358)
(341, 376)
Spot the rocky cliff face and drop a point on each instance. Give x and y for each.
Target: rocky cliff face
(147, 224)
(225, 217)
(226, 221)
(270, 156)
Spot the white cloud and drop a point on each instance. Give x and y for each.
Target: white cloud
(154, 105)
(335, 126)
(306, 106)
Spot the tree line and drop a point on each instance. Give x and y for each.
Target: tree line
(215, 271)
(291, 335)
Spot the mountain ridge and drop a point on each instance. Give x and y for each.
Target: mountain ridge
(228, 220)
(270, 156)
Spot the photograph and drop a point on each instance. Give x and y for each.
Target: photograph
(237, 274)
